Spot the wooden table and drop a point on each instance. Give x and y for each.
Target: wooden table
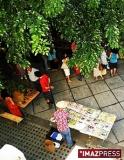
(29, 98)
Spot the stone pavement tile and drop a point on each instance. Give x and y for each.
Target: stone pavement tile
(99, 86)
(119, 93)
(60, 86)
(115, 82)
(121, 71)
(115, 109)
(122, 104)
(57, 75)
(107, 75)
(105, 99)
(81, 92)
(118, 130)
(112, 138)
(89, 102)
(65, 95)
(90, 79)
(122, 76)
(121, 67)
(28, 109)
(121, 144)
(40, 105)
(75, 82)
(45, 115)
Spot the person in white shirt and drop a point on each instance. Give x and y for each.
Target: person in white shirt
(31, 74)
(104, 61)
(33, 78)
(9, 152)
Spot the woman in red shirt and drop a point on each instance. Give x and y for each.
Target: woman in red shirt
(44, 80)
(11, 106)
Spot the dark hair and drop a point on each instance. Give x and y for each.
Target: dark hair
(4, 93)
(115, 50)
(38, 73)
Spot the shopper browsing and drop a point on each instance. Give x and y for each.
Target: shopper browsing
(61, 119)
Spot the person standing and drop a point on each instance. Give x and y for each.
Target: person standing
(103, 59)
(65, 67)
(61, 119)
(44, 80)
(52, 59)
(113, 59)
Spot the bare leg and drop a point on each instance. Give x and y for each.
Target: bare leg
(68, 79)
(96, 78)
(115, 71)
(48, 101)
(102, 77)
(111, 71)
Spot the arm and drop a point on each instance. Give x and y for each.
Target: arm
(49, 86)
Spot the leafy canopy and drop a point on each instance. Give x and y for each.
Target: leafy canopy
(89, 22)
(25, 27)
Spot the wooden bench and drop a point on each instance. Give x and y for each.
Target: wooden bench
(11, 117)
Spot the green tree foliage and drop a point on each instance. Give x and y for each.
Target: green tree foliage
(25, 27)
(89, 22)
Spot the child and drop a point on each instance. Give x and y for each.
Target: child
(99, 71)
(65, 67)
(113, 63)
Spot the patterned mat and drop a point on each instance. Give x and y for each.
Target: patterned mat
(29, 138)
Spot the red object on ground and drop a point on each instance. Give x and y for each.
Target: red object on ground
(44, 82)
(13, 108)
(76, 70)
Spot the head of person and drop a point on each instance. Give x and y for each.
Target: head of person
(115, 50)
(38, 74)
(61, 105)
(65, 55)
(29, 69)
(108, 52)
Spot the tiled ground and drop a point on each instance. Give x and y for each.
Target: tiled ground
(29, 138)
(107, 95)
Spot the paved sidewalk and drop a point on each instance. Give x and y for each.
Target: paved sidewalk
(106, 95)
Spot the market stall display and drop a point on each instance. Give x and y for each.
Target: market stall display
(89, 121)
